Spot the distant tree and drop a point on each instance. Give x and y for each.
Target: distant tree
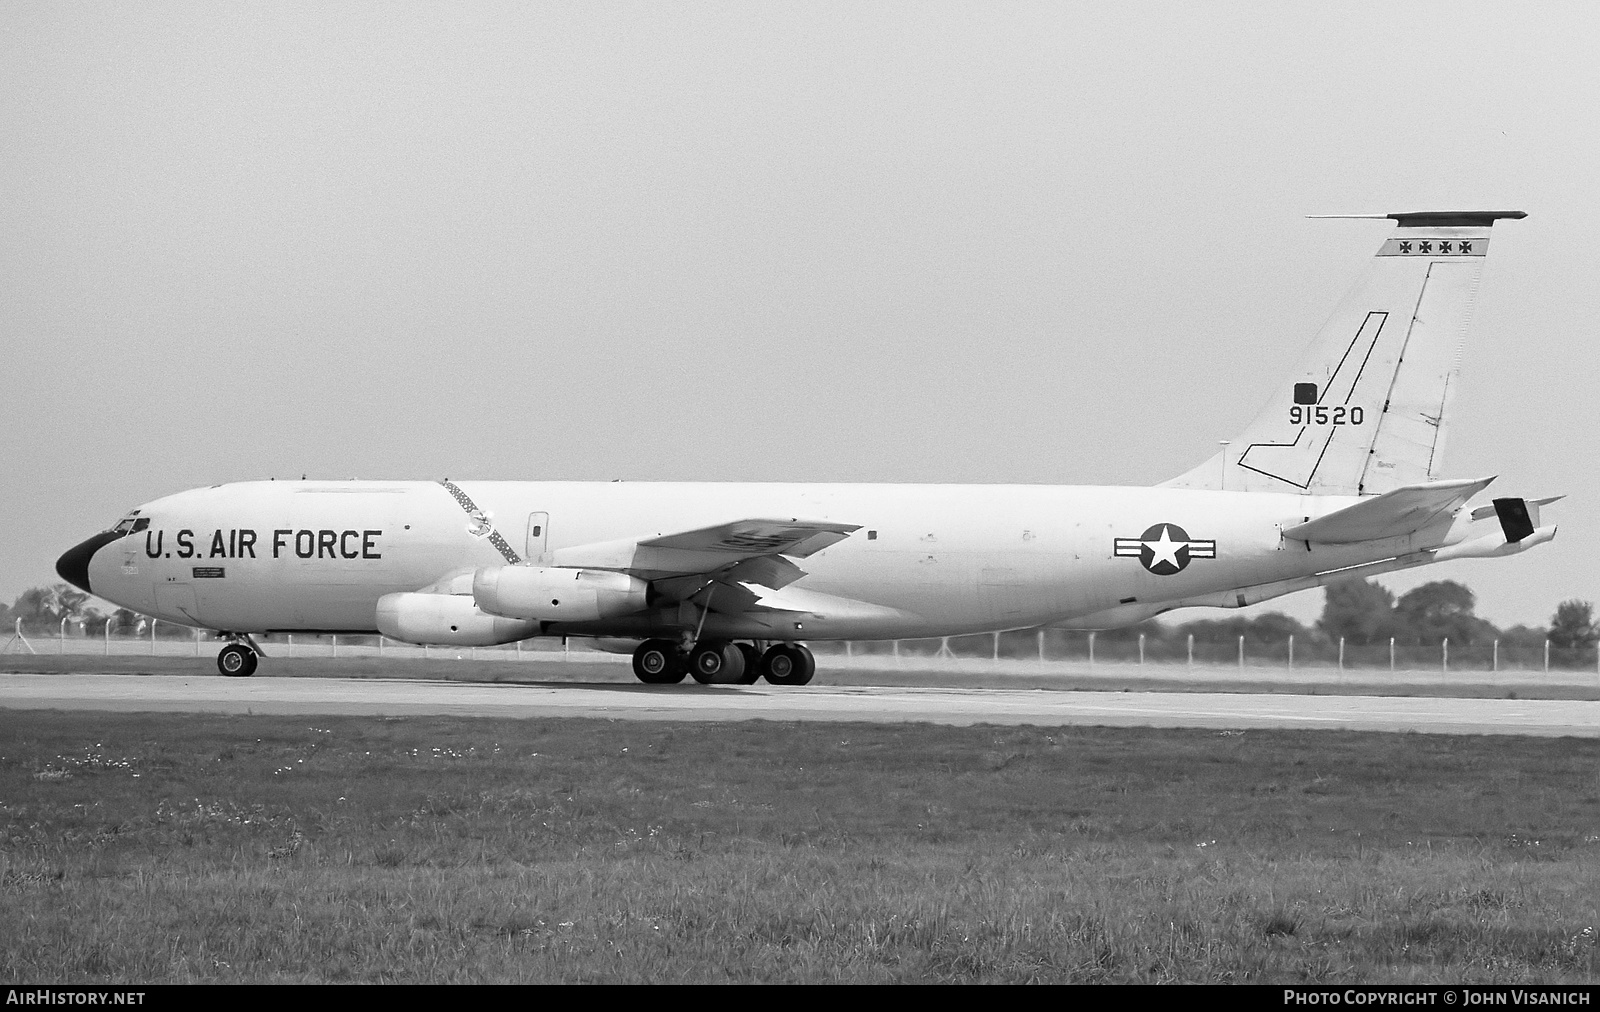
(32, 606)
(1524, 636)
(124, 619)
(1573, 625)
(1272, 627)
(92, 620)
(1216, 630)
(1150, 628)
(1275, 627)
(1437, 611)
(1358, 610)
(43, 608)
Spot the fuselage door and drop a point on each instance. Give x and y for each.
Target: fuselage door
(175, 601)
(538, 538)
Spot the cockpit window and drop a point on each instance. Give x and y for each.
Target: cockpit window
(133, 523)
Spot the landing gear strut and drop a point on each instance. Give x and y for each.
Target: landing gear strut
(237, 661)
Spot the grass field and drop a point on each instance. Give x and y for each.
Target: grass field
(153, 848)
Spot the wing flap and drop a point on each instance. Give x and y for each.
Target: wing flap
(1403, 511)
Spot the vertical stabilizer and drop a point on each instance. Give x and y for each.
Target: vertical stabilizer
(1365, 411)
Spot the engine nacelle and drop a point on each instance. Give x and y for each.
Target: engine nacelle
(556, 594)
(447, 619)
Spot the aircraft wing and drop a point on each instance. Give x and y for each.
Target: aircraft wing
(1404, 510)
(797, 538)
(679, 565)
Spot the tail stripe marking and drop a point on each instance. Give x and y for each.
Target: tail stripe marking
(1372, 326)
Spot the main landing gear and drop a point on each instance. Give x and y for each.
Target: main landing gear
(237, 660)
(719, 662)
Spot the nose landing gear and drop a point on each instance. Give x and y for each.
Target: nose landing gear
(237, 661)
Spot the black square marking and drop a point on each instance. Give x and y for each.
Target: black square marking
(1305, 393)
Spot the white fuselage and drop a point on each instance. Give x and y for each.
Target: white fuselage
(934, 559)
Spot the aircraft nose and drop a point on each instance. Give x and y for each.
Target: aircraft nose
(73, 566)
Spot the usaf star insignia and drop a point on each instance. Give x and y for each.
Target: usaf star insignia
(1165, 549)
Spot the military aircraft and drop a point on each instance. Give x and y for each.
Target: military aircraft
(1338, 476)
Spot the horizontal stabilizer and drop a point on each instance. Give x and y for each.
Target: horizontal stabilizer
(1403, 511)
(1531, 505)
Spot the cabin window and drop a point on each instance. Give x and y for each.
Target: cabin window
(872, 535)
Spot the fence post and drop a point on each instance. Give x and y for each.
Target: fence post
(1495, 664)
(1141, 650)
(1341, 653)
(1191, 650)
(380, 646)
(1091, 650)
(1444, 655)
(897, 653)
(17, 637)
(335, 639)
(197, 643)
(997, 648)
(1547, 656)
(849, 648)
(1041, 646)
(1291, 651)
(289, 651)
(61, 637)
(1241, 652)
(1391, 655)
(153, 636)
(108, 638)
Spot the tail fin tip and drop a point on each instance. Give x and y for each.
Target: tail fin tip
(1436, 219)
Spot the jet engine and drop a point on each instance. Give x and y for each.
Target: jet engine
(447, 619)
(556, 594)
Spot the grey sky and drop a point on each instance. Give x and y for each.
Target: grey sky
(896, 242)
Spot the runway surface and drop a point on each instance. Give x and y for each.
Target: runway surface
(264, 695)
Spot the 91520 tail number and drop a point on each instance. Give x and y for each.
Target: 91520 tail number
(1322, 414)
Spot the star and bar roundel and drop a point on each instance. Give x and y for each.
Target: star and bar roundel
(1165, 549)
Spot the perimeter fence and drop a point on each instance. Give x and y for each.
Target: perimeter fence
(1055, 645)
(1045, 646)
